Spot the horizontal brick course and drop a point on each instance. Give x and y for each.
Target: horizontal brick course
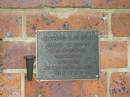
(14, 52)
(80, 20)
(84, 88)
(65, 3)
(43, 3)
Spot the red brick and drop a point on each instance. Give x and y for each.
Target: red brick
(114, 54)
(69, 3)
(10, 25)
(20, 3)
(14, 53)
(10, 85)
(67, 88)
(90, 88)
(110, 3)
(48, 89)
(120, 84)
(80, 20)
(121, 24)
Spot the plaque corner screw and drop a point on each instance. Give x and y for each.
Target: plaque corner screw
(97, 76)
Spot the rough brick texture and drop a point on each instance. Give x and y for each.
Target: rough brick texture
(10, 85)
(80, 20)
(21, 3)
(42, 3)
(111, 3)
(69, 3)
(114, 54)
(120, 85)
(14, 53)
(10, 25)
(121, 24)
(89, 88)
(65, 3)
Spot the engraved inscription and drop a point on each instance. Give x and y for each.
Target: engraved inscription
(67, 55)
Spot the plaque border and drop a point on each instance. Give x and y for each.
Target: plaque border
(99, 57)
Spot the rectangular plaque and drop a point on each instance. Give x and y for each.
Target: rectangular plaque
(67, 55)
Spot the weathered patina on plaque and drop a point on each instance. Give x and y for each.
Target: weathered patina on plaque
(67, 55)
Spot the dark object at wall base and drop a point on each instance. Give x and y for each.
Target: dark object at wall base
(1, 52)
(29, 65)
(1, 56)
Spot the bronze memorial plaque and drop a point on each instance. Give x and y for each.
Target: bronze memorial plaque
(67, 55)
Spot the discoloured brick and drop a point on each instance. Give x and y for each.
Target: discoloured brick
(10, 85)
(20, 3)
(114, 54)
(67, 88)
(111, 3)
(78, 21)
(14, 53)
(10, 25)
(121, 24)
(120, 84)
(69, 3)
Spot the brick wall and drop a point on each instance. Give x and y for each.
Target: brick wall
(19, 20)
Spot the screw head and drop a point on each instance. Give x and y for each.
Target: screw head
(97, 76)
